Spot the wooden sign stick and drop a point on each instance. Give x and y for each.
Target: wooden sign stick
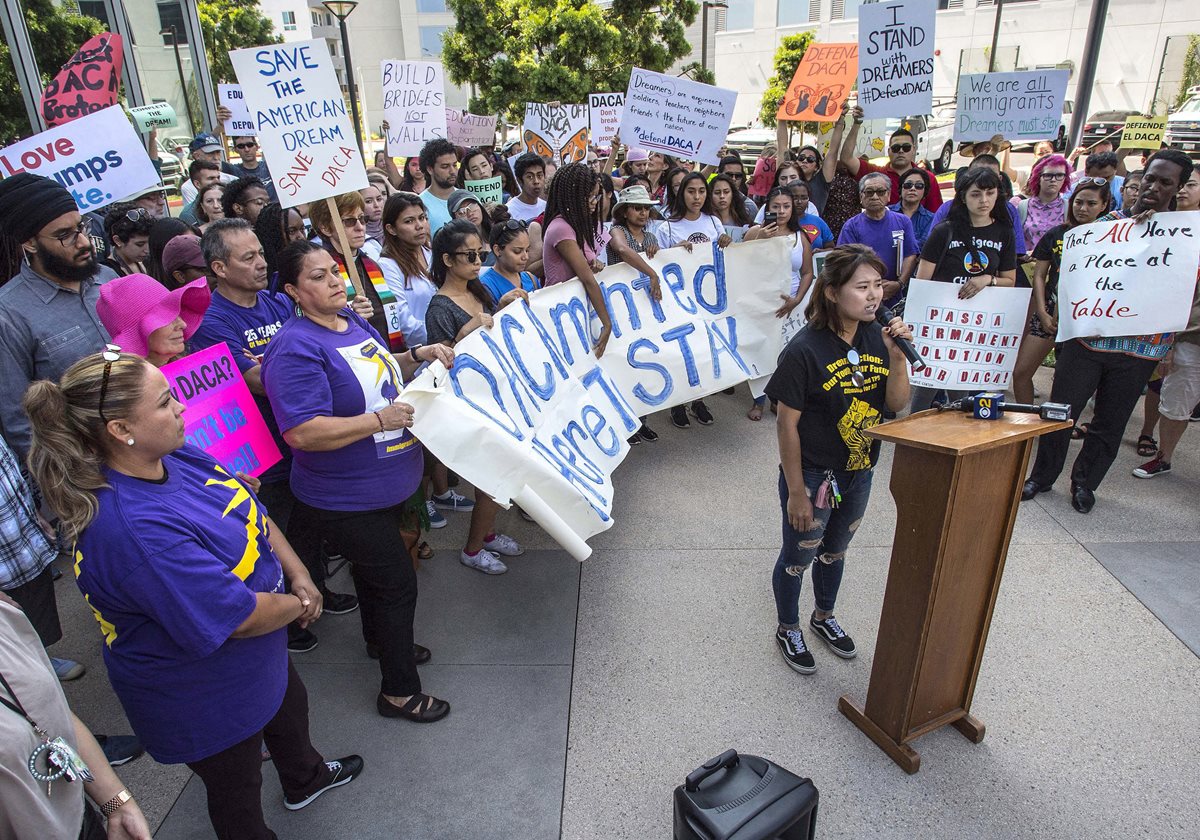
(340, 230)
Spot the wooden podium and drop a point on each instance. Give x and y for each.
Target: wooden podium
(957, 483)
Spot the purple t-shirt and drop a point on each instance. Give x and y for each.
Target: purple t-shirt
(171, 570)
(553, 264)
(881, 236)
(311, 371)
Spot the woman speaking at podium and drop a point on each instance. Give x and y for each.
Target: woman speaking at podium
(834, 381)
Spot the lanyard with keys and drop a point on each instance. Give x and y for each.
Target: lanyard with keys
(61, 760)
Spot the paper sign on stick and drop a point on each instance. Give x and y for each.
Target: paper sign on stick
(99, 158)
(87, 83)
(150, 117)
(1143, 133)
(821, 84)
(676, 116)
(556, 131)
(299, 117)
(414, 104)
(241, 123)
(222, 417)
(967, 345)
(1119, 278)
(895, 58)
(1023, 107)
(475, 131)
(604, 116)
(488, 191)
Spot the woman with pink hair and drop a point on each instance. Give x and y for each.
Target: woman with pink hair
(1046, 207)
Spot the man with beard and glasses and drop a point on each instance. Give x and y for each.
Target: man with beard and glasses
(48, 315)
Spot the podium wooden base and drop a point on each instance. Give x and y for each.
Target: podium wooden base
(909, 759)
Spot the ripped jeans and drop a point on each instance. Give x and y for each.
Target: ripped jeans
(826, 542)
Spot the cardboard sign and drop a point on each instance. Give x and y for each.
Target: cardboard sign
(967, 345)
(1023, 107)
(1119, 278)
(222, 417)
(99, 158)
(488, 191)
(528, 414)
(299, 116)
(895, 58)
(414, 104)
(556, 131)
(1143, 132)
(822, 81)
(676, 116)
(90, 81)
(150, 117)
(241, 124)
(604, 116)
(474, 131)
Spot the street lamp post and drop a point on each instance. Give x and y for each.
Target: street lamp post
(706, 5)
(341, 10)
(170, 30)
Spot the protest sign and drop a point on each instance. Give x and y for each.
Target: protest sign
(528, 414)
(87, 83)
(821, 83)
(474, 131)
(414, 104)
(150, 117)
(967, 345)
(676, 116)
(241, 123)
(556, 131)
(1142, 133)
(895, 58)
(222, 417)
(1023, 107)
(604, 116)
(488, 191)
(99, 158)
(299, 115)
(1120, 278)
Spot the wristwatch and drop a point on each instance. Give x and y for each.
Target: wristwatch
(412, 353)
(110, 807)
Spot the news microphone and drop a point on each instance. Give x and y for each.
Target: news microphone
(884, 316)
(992, 405)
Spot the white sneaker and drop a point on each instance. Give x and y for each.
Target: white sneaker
(485, 562)
(506, 545)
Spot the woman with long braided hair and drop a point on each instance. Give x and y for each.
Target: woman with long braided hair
(276, 227)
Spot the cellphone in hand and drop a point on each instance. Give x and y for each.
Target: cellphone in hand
(770, 218)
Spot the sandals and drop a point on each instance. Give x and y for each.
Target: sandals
(1147, 446)
(424, 551)
(420, 708)
(1079, 430)
(755, 412)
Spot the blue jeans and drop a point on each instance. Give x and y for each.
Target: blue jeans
(827, 541)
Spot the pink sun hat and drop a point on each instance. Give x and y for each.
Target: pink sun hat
(136, 305)
(635, 154)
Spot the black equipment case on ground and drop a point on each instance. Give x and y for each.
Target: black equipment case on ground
(744, 797)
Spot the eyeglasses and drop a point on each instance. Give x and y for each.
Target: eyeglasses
(136, 215)
(516, 224)
(351, 221)
(901, 147)
(806, 159)
(472, 256)
(873, 192)
(112, 353)
(856, 375)
(914, 185)
(65, 239)
(1054, 176)
(244, 145)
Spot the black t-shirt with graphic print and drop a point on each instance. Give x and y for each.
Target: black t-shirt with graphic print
(1049, 248)
(814, 377)
(958, 256)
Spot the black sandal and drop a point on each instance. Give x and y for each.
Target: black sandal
(1079, 430)
(1147, 446)
(420, 708)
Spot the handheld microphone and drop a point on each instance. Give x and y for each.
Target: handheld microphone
(884, 316)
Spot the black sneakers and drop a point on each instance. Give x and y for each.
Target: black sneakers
(679, 418)
(829, 630)
(300, 639)
(338, 603)
(343, 771)
(795, 653)
(647, 434)
(701, 413)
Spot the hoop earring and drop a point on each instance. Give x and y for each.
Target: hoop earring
(130, 441)
(299, 311)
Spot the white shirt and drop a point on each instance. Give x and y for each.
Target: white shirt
(704, 229)
(188, 190)
(412, 297)
(523, 212)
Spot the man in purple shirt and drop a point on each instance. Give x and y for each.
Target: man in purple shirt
(888, 233)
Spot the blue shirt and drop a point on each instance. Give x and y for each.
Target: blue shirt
(922, 222)
(819, 234)
(171, 570)
(437, 211)
(499, 286)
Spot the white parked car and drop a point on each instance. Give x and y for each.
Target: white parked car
(1183, 125)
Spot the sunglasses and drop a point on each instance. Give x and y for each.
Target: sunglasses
(806, 159)
(515, 224)
(872, 192)
(856, 375)
(1099, 182)
(901, 147)
(351, 221)
(472, 256)
(112, 353)
(137, 214)
(244, 145)
(914, 185)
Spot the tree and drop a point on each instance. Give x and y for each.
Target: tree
(232, 25)
(518, 51)
(787, 59)
(55, 34)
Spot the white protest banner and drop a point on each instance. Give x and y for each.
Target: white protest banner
(1119, 278)
(149, 117)
(489, 190)
(1023, 107)
(556, 131)
(475, 131)
(967, 345)
(299, 115)
(604, 116)
(895, 58)
(528, 414)
(99, 158)
(414, 104)
(676, 116)
(241, 123)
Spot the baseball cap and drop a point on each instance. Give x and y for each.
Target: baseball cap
(205, 142)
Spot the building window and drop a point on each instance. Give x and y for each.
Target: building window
(289, 21)
(796, 12)
(432, 7)
(170, 13)
(431, 40)
(316, 18)
(740, 15)
(950, 4)
(95, 9)
(845, 9)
